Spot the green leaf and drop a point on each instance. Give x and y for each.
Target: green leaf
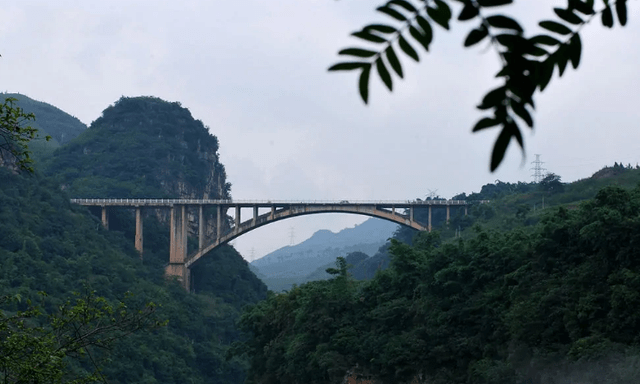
(555, 27)
(520, 110)
(393, 60)
(392, 12)
(493, 98)
(568, 16)
(426, 28)
(468, 12)
(586, 8)
(369, 37)
(500, 21)
(363, 83)
(545, 73)
(384, 74)
(380, 28)
(421, 38)
(500, 147)
(562, 58)
(439, 17)
(408, 49)
(493, 3)
(347, 66)
(475, 36)
(509, 40)
(607, 17)
(575, 50)
(444, 9)
(544, 40)
(485, 123)
(621, 10)
(357, 52)
(404, 4)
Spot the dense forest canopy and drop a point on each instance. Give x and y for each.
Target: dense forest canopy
(552, 304)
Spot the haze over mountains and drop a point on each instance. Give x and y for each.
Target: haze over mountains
(291, 264)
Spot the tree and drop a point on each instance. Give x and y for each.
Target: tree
(552, 183)
(15, 133)
(32, 353)
(528, 63)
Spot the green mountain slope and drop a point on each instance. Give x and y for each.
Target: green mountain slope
(50, 121)
(553, 302)
(48, 244)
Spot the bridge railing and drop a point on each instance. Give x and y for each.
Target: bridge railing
(169, 202)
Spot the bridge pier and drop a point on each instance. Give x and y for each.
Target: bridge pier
(139, 231)
(218, 222)
(105, 217)
(447, 214)
(237, 227)
(178, 246)
(200, 227)
(429, 222)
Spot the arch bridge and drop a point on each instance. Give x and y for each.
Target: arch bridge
(180, 263)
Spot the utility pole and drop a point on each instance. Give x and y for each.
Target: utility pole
(538, 171)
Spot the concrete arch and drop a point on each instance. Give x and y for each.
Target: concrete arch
(301, 210)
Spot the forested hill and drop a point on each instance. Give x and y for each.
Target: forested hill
(139, 147)
(50, 120)
(142, 147)
(550, 301)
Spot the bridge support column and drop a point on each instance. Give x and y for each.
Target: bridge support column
(105, 217)
(447, 214)
(200, 227)
(237, 227)
(411, 214)
(465, 210)
(429, 222)
(273, 212)
(255, 215)
(139, 231)
(218, 222)
(178, 246)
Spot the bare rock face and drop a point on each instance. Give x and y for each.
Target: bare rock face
(145, 147)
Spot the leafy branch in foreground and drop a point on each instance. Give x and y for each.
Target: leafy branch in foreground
(527, 63)
(15, 134)
(31, 353)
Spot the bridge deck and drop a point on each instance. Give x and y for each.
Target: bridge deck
(263, 203)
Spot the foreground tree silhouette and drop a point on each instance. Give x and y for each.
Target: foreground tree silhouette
(528, 63)
(33, 353)
(15, 134)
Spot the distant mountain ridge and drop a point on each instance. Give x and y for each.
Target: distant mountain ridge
(294, 263)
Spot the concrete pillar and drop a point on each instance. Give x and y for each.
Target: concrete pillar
(105, 218)
(200, 227)
(393, 210)
(183, 235)
(139, 231)
(429, 226)
(411, 214)
(273, 212)
(178, 246)
(255, 214)
(237, 228)
(465, 210)
(447, 213)
(218, 222)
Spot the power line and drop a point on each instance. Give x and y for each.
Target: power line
(538, 171)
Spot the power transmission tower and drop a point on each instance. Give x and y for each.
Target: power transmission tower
(292, 235)
(538, 171)
(432, 194)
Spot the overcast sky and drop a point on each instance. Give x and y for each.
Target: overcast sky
(254, 71)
